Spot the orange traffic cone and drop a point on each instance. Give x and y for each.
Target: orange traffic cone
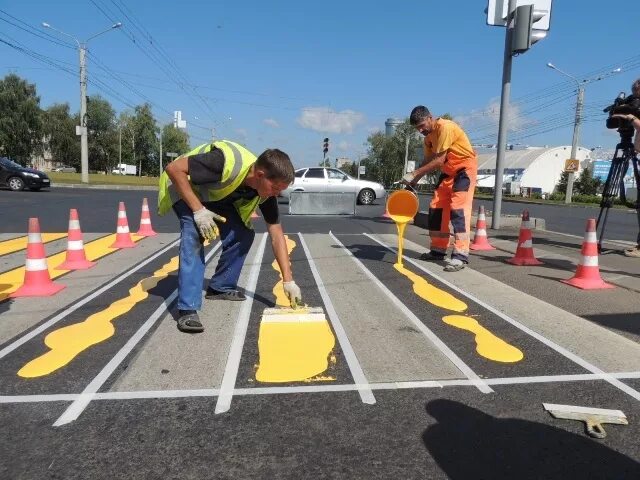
(146, 230)
(480, 240)
(37, 282)
(123, 237)
(254, 215)
(587, 274)
(76, 258)
(524, 252)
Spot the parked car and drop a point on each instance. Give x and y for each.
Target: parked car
(64, 169)
(17, 177)
(321, 179)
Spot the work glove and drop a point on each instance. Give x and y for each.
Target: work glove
(292, 291)
(206, 222)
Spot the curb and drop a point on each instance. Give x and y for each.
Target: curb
(422, 220)
(104, 187)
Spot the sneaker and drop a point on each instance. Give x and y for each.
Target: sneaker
(189, 322)
(633, 252)
(455, 265)
(233, 295)
(432, 256)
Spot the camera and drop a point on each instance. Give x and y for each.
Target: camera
(622, 105)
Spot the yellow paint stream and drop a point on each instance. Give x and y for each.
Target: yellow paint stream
(12, 280)
(68, 342)
(296, 350)
(401, 225)
(487, 344)
(431, 293)
(20, 243)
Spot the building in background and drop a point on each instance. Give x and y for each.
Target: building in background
(390, 126)
(343, 162)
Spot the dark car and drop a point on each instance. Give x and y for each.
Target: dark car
(17, 177)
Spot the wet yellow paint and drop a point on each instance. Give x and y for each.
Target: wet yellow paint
(401, 225)
(68, 342)
(293, 351)
(431, 293)
(20, 243)
(487, 344)
(12, 280)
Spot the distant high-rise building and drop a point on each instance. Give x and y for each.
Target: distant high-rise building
(390, 126)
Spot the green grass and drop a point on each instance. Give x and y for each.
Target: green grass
(97, 179)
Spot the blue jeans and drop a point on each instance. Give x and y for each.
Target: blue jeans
(236, 241)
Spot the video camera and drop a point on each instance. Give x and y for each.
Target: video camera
(622, 105)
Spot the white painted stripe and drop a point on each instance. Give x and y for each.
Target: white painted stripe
(37, 331)
(590, 237)
(587, 261)
(34, 238)
(294, 318)
(576, 409)
(122, 214)
(235, 352)
(457, 361)
(74, 224)
(204, 392)
(80, 404)
(145, 221)
(35, 264)
(561, 350)
(622, 243)
(366, 395)
(526, 244)
(75, 245)
(481, 232)
(123, 229)
(58, 397)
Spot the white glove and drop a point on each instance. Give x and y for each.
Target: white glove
(206, 222)
(408, 177)
(292, 291)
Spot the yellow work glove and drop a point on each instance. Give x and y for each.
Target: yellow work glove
(206, 223)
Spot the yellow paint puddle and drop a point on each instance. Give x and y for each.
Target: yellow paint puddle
(487, 344)
(20, 243)
(68, 342)
(431, 293)
(294, 349)
(12, 280)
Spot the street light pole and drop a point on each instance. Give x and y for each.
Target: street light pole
(82, 129)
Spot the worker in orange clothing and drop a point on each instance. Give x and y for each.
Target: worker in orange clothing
(446, 147)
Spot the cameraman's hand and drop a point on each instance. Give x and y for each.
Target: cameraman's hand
(206, 222)
(627, 116)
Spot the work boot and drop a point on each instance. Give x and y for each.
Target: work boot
(233, 295)
(432, 256)
(633, 252)
(455, 265)
(189, 322)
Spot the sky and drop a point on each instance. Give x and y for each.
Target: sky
(284, 74)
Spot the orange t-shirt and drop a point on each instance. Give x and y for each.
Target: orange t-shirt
(449, 137)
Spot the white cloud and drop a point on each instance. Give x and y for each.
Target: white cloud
(483, 123)
(271, 122)
(242, 134)
(326, 120)
(344, 146)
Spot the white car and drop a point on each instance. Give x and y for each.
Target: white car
(321, 179)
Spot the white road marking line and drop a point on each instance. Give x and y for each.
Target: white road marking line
(621, 243)
(366, 395)
(37, 331)
(561, 350)
(457, 361)
(228, 384)
(80, 404)
(212, 392)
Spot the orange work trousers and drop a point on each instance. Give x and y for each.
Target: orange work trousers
(452, 203)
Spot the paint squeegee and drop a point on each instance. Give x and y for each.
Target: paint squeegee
(593, 418)
(287, 314)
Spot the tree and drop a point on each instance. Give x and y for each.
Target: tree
(146, 140)
(20, 120)
(60, 136)
(586, 183)
(103, 139)
(173, 140)
(561, 186)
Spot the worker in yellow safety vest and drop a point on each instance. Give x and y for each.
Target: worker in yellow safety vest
(214, 189)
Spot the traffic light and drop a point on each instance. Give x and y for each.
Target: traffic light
(525, 33)
(325, 147)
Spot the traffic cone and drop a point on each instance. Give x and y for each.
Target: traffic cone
(524, 253)
(123, 237)
(76, 258)
(37, 282)
(480, 240)
(254, 215)
(587, 274)
(146, 230)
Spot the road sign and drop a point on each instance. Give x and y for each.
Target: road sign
(497, 12)
(571, 165)
(171, 154)
(362, 170)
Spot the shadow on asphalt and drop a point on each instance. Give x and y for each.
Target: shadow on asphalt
(468, 443)
(626, 322)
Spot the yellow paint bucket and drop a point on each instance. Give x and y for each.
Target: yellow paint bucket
(402, 206)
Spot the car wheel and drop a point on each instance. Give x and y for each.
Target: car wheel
(366, 197)
(15, 184)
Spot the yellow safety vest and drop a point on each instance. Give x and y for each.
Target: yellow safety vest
(237, 163)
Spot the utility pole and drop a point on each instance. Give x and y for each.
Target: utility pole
(160, 158)
(119, 143)
(574, 142)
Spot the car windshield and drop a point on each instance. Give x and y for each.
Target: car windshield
(8, 163)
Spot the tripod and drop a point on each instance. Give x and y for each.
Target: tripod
(614, 185)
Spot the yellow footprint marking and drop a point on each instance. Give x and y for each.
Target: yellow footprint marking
(487, 344)
(431, 293)
(68, 342)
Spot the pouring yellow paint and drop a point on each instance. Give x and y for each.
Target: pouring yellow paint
(402, 206)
